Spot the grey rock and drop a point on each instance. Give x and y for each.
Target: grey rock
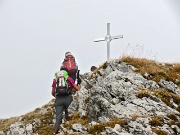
(2, 133)
(79, 128)
(176, 129)
(103, 119)
(29, 128)
(169, 86)
(111, 131)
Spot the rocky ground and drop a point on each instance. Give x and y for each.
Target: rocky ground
(113, 100)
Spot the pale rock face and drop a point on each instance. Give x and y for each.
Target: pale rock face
(116, 94)
(29, 128)
(2, 133)
(169, 86)
(111, 93)
(176, 128)
(20, 128)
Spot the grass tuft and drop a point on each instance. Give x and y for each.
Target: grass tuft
(96, 129)
(167, 96)
(159, 132)
(5, 123)
(156, 121)
(172, 117)
(142, 94)
(169, 72)
(178, 108)
(75, 118)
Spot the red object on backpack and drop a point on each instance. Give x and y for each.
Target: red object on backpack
(69, 62)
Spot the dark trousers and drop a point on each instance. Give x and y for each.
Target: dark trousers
(62, 103)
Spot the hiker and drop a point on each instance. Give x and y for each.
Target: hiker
(63, 95)
(69, 64)
(93, 68)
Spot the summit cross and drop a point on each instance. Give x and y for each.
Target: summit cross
(108, 39)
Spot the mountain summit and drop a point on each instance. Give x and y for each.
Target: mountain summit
(121, 97)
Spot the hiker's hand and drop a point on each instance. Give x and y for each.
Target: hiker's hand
(79, 81)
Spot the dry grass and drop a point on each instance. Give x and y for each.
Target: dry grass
(96, 129)
(46, 125)
(178, 108)
(156, 121)
(164, 95)
(174, 120)
(46, 121)
(44, 128)
(142, 94)
(159, 131)
(135, 116)
(87, 100)
(5, 123)
(167, 96)
(75, 118)
(172, 117)
(169, 72)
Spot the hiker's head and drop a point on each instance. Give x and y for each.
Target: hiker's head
(67, 54)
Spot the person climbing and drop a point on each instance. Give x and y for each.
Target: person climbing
(62, 90)
(69, 64)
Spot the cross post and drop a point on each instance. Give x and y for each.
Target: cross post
(108, 39)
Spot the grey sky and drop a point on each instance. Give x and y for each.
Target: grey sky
(35, 34)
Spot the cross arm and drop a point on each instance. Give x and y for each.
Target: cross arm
(117, 37)
(99, 39)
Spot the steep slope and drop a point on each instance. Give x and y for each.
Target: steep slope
(114, 99)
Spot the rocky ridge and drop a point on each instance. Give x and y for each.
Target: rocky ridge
(114, 100)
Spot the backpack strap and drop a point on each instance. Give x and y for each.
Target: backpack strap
(69, 57)
(57, 80)
(56, 76)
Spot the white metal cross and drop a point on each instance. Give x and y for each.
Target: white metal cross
(108, 39)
